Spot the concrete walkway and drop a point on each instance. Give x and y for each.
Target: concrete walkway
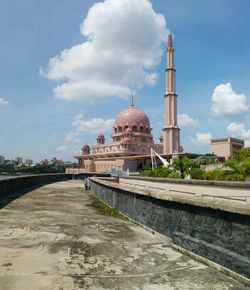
(53, 238)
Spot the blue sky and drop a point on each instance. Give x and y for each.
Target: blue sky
(52, 106)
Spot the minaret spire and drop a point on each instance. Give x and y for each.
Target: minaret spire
(171, 132)
(170, 41)
(132, 98)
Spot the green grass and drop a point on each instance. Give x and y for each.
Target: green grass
(103, 209)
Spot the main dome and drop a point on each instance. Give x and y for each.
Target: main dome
(132, 117)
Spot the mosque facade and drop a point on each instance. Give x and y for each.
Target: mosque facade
(132, 138)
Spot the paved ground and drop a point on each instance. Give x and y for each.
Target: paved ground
(53, 238)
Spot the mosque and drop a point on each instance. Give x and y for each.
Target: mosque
(132, 138)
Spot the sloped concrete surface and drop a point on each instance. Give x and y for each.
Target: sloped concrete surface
(53, 238)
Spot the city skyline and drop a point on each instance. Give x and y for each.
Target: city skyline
(52, 102)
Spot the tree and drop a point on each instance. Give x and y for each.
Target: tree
(184, 165)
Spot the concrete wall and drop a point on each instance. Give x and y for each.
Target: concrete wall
(24, 183)
(21, 183)
(204, 228)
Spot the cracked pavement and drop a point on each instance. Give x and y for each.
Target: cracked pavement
(53, 238)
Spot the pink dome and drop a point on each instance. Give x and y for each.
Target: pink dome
(100, 136)
(85, 147)
(132, 117)
(126, 141)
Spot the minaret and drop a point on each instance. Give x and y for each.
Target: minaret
(171, 132)
(132, 99)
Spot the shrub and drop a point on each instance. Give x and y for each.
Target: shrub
(237, 169)
(228, 175)
(175, 174)
(196, 173)
(212, 174)
(158, 172)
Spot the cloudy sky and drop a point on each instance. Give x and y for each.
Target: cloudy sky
(67, 69)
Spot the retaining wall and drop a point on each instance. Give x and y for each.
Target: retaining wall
(21, 183)
(216, 231)
(27, 182)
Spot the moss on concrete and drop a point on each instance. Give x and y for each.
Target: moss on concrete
(103, 209)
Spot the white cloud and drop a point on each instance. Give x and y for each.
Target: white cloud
(202, 139)
(226, 102)
(94, 125)
(82, 129)
(123, 46)
(70, 137)
(239, 130)
(3, 102)
(62, 148)
(184, 120)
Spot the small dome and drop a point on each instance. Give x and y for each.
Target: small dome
(128, 130)
(100, 136)
(132, 117)
(85, 147)
(126, 141)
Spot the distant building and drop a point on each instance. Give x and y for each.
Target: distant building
(56, 161)
(28, 162)
(1, 159)
(19, 160)
(44, 162)
(226, 147)
(10, 162)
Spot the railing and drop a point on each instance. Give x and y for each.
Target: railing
(74, 170)
(146, 186)
(180, 191)
(243, 198)
(240, 198)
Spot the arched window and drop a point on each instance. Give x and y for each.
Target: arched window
(134, 129)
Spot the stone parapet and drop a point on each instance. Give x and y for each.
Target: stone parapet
(214, 230)
(27, 182)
